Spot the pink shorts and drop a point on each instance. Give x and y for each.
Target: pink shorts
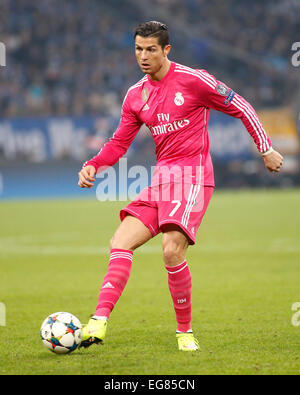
(183, 205)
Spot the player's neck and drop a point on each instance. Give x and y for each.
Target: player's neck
(163, 71)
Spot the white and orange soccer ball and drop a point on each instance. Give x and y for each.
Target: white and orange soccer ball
(61, 333)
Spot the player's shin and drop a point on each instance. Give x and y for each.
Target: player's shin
(114, 281)
(180, 285)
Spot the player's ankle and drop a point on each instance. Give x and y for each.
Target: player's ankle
(184, 328)
(100, 317)
(102, 313)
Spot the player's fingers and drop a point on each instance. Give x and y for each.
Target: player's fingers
(91, 178)
(275, 165)
(81, 178)
(280, 156)
(83, 175)
(88, 174)
(87, 184)
(272, 169)
(83, 182)
(279, 159)
(92, 172)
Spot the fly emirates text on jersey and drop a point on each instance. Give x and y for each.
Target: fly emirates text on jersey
(164, 128)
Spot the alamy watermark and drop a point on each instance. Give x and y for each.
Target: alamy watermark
(296, 57)
(2, 314)
(173, 184)
(296, 316)
(2, 54)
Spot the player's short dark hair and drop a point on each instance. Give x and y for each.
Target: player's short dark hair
(154, 29)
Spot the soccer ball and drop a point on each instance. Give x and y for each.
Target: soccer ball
(61, 333)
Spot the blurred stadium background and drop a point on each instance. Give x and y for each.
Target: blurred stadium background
(69, 64)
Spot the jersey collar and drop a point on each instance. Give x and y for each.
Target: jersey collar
(165, 78)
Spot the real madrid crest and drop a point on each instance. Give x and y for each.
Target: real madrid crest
(179, 100)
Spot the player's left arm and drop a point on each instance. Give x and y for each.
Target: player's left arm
(218, 96)
(273, 160)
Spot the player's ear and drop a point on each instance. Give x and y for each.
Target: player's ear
(167, 50)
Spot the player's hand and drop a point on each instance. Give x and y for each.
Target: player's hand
(273, 161)
(87, 177)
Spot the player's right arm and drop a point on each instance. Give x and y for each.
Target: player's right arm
(87, 177)
(114, 149)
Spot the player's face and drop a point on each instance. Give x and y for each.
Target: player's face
(150, 55)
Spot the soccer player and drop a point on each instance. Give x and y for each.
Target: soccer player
(174, 101)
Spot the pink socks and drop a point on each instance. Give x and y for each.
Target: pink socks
(180, 285)
(114, 282)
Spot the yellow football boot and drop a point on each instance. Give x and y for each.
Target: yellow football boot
(187, 342)
(94, 332)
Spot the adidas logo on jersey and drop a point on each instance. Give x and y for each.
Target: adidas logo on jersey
(146, 107)
(108, 285)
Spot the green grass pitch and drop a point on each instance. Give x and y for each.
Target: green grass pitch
(245, 268)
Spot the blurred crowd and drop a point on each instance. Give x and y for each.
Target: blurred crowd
(245, 43)
(74, 57)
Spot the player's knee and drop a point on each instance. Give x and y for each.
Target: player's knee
(116, 242)
(174, 246)
(173, 253)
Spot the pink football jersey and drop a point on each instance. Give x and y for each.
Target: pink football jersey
(176, 111)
